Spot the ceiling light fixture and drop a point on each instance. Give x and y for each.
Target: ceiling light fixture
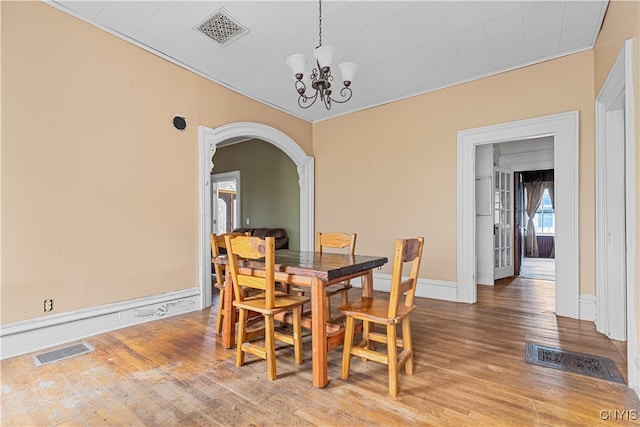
(321, 76)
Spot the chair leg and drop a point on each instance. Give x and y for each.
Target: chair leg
(297, 334)
(408, 345)
(346, 351)
(220, 309)
(392, 360)
(242, 325)
(270, 348)
(345, 296)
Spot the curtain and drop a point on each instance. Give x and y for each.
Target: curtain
(549, 187)
(534, 197)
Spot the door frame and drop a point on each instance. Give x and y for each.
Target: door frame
(564, 127)
(614, 105)
(209, 139)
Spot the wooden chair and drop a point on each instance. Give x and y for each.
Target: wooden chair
(217, 243)
(345, 243)
(268, 303)
(389, 313)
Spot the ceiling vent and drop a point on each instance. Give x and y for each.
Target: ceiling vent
(222, 28)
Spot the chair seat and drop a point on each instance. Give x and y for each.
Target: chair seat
(374, 310)
(283, 302)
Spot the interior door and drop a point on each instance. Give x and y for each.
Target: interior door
(503, 234)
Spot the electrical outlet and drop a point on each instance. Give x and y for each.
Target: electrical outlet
(48, 305)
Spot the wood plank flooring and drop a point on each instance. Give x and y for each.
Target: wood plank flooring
(469, 371)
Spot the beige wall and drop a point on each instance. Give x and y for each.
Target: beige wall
(621, 23)
(99, 192)
(396, 164)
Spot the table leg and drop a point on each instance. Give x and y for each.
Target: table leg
(319, 333)
(229, 318)
(367, 284)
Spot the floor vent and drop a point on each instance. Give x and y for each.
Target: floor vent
(62, 353)
(578, 363)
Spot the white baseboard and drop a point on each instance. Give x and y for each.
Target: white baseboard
(634, 374)
(427, 288)
(587, 307)
(34, 334)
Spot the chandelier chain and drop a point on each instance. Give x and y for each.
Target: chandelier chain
(320, 22)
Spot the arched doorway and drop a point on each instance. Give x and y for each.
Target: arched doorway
(208, 142)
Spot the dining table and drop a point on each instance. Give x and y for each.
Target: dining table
(313, 270)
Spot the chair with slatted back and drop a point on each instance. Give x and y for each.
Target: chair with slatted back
(218, 243)
(335, 242)
(268, 303)
(387, 312)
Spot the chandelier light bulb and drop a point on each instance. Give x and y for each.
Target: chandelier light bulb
(296, 62)
(348, 71)
(324, 56)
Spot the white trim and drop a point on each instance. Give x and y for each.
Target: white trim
(487, 279)
(34, 334)
(210, 139)
(588, 307)
(564, 128)
(617, 93)
(633, 366)
(427, 288)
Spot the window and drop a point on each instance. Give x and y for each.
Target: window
(544, 219)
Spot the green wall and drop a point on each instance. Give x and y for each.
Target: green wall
(269, 190)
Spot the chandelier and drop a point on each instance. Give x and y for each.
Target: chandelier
(321, 76)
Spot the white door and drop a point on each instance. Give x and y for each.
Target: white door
(225, 202)
(503, 223)
(484, 215)
(611, 231)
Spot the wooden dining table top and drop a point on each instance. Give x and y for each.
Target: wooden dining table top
(324, 266)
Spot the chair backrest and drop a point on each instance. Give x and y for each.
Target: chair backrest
(244, 247)
(407, 252)
(336, 241)
(217, 242)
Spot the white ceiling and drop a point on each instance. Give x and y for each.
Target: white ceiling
(403, 48)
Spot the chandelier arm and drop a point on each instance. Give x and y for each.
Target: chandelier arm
(346, 93)
(303, 99)
(301, 88)
(327, 102)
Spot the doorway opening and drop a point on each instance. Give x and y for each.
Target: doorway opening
(616, 210)
(563, 128)
(536, 215)
(209, 140)
(225, 202)
(511, 240)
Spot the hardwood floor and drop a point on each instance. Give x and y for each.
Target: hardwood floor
(469, 370)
